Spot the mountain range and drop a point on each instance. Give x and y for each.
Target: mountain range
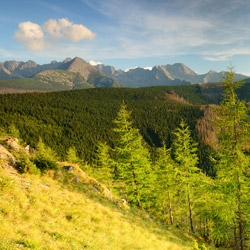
(77, 73)
(176, 74)
(69, 74)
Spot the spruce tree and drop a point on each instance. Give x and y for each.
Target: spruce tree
(132, 159)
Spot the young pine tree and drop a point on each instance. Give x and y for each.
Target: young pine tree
(71, 155)
(233, 165)
(132, 160)
(185, 151)
(105, 165)
(165, 184)
(45, 157)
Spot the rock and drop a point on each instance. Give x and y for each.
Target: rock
(124, 202)
(6, 155)
(12, 143)
(94, 189)
(76, 180)
(69, 168)
(27, 149)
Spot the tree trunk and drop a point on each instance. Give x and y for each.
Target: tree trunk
(241, 233)
(190, 213)
(235, 237)
(170, 209)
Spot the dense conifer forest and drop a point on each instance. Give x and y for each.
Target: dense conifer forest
(83, 118)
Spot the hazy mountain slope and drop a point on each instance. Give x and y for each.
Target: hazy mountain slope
(89, 73)
(140, 77)
(107, 76)
(66, 75)
(175, 74)
(71, 80)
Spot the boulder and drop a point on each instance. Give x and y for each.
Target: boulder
(76, 180)
(12, 143)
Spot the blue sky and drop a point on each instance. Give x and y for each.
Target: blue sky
(203, 34)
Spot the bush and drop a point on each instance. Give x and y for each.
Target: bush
(45, 163)
(45, 156)
(25, 165)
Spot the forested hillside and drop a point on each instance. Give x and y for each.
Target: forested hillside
(82, 118)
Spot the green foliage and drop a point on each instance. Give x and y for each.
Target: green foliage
(25, 165)
(165, 184)
(82, 118)
(132, 159)
(72, 155)
(45, 158)
(185, 151)
(13, 131)
(105, 164)
(233, 165)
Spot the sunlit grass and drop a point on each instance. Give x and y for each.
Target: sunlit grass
(45, 213)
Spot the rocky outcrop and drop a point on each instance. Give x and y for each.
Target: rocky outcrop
(6, 156)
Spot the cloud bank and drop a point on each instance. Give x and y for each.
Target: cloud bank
(36, 38)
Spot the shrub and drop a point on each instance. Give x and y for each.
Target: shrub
(25, 165)
(44, 163)
(45, 158)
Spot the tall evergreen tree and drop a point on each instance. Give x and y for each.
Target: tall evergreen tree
(165, 187)
(185, 151)
(133, 164)
(233, 165)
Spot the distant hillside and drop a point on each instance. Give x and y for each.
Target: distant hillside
(176, 74)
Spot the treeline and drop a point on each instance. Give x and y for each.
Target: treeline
(172, 188)
(82, 118)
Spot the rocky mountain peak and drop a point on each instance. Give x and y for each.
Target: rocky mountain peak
(29, 64)
(78, 65)
(180, 69)
(11, 65)
(68, 59)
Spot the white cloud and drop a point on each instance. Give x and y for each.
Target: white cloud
(36, 38)
(30, 35)
(91, 62)
(64, 29)
(224, 54)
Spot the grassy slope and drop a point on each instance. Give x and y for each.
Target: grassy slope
(42, 213)
(30, 84)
